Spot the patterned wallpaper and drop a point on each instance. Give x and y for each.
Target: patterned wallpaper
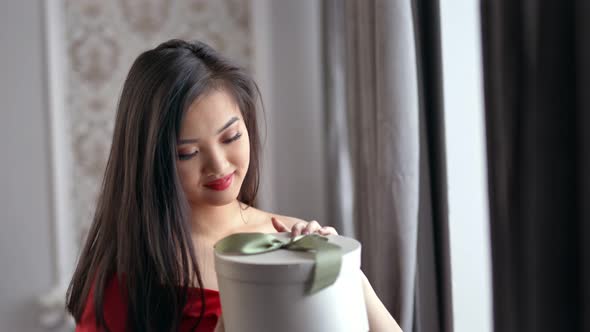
(103, 38)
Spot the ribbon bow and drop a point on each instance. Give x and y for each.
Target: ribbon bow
(327, 256)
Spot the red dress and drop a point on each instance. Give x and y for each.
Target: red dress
(115, 310)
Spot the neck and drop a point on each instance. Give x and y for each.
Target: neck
(216, 221)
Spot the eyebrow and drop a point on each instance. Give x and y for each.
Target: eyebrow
(225, 126)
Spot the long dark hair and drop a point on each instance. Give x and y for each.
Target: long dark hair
(140, 228)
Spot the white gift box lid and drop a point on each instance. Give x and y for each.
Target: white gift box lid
(280, 266)
(267, 291)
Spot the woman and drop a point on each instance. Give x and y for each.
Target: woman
(182, 173)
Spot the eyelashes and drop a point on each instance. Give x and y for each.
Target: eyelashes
(227, 141)
(235, 138)
(187, 156)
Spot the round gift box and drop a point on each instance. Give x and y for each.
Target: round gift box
(267, 291)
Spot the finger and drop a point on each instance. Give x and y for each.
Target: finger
(279, 226)
(328, 230)
(312, 227)
(298, 228)
(332, 230)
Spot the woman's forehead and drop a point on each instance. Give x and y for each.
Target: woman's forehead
(209, 113)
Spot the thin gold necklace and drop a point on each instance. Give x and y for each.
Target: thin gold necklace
(241, 215)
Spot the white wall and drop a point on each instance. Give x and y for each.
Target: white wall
(26, 260)
(465, 132)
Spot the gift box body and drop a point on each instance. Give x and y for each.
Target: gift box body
(267, 292)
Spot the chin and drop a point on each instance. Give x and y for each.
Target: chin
(219, 198)
(220, 201)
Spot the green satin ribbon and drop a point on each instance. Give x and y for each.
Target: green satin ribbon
(327, 256)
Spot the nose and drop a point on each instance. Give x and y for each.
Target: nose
(216, 163)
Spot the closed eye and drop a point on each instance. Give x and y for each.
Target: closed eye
(235, 138)
(187, 156)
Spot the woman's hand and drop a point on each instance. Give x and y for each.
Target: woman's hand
(303, 227)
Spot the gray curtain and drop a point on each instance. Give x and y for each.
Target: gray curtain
(537, 88)
(384, 125)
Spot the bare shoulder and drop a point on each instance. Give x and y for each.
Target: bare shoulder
(288, 221)
(263, 219)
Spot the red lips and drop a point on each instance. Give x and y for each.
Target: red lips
(220, 184)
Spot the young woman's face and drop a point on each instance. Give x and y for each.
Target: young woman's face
(213, 150)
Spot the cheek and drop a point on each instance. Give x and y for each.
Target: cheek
(243, 156)
(188, 177)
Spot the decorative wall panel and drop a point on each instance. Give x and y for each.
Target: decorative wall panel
(103, 38)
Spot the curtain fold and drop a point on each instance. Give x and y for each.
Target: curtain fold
(339, 165)
(536, 76)
(433, 290)
(582, 35)
(387, 188)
